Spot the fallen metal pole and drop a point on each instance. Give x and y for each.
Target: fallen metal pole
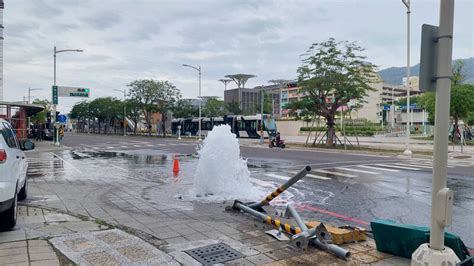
(336, 250)
(279, 190)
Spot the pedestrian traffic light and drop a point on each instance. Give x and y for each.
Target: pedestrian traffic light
(57, 114)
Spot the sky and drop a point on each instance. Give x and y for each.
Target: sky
(125, 40)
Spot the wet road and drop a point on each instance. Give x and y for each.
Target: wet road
(342, 188)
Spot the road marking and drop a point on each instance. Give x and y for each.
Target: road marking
(314, 176)
(136, 145)
(333, 173)
(359, 171)
(123, 146)
(414, 165)
(278, 176)
(378, 168)
(66, 162)
(110, 147)
(149, 145)
(398, 167)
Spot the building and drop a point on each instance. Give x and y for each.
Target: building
(195, 102)
(414, 83)
(251, 98)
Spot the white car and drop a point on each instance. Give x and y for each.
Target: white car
(13, 181)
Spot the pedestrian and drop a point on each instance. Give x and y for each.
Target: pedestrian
(467, 132)
(36, 133)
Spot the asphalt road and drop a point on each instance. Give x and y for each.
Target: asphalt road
(343, 188)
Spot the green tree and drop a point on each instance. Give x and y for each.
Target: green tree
(214, 107)
(233, 108)
(133, 111)
(80, 111)
(334, 74)
(184, 109)
(145, 94)
(41, 116)
(168, 95)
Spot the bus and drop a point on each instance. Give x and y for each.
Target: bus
(243, 126)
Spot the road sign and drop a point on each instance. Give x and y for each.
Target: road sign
(62, 118)
(55, 94)
(73, 92)
(386, 107)
(428, 57)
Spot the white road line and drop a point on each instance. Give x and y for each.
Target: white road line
(123, 146)
(66, 162)
(314, 176)
(149, 145)
(378, 168)
(398, 167)
(136, 145)
(359, 171)
(110, 147)
(414, 165)
(333, 173)
(429, 163)
(278, 176)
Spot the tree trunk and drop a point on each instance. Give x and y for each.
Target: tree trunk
(331, 132)
(163, 125)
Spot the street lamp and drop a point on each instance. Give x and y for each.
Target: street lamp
(407, 144)
(56, 51)
(124, 110)
(200, 99)
(29, 93)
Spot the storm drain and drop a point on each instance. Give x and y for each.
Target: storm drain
(214, 254)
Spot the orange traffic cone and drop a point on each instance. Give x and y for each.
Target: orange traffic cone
(175, 165)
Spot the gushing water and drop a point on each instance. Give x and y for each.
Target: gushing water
(221, 172)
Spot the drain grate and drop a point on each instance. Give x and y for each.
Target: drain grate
(213, 254)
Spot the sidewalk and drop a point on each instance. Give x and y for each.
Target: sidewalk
(45, 237)
(46, 146)
(376, 143)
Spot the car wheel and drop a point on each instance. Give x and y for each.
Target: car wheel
(8, 217)
(24, 191)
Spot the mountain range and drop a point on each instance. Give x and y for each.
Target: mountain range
(394, 75)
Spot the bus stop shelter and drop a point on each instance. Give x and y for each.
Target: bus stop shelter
(17, 114)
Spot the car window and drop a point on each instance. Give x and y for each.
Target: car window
(8, 135)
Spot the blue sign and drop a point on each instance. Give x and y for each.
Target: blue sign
(62, 118)
(386, 107)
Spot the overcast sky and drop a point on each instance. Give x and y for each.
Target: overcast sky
(140, 39)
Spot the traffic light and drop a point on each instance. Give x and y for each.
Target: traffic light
(57, 114)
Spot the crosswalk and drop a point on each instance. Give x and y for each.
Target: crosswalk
(369, 169)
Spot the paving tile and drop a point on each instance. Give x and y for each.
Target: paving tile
(13, 251)
(42, 256)
(10, 236)
(100, 258)
(177, 240)
(40, 249)
(240, 262)
(37, 243)
(196, 236)
(14, 258)
(259, 259)
(15, 244)
(24, 263)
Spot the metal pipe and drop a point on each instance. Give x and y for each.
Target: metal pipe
(297, 217)
(282, 188)
(336, 250)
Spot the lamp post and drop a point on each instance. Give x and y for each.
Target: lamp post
(124, 111)
(29, 93)
(56, 51)
(200, 99)
(407, 144)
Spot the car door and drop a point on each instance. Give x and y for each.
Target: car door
(13, 152)
(23, 165)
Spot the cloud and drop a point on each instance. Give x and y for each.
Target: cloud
(134, 39)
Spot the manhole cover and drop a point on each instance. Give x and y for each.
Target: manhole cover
(214, 254)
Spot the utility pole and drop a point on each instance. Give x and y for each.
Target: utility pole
(436, 253)
(261, 114)
(407, 144)
(200, 98)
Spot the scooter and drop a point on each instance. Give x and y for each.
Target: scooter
(280, 144)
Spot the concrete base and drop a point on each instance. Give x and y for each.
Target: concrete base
(424, 255)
